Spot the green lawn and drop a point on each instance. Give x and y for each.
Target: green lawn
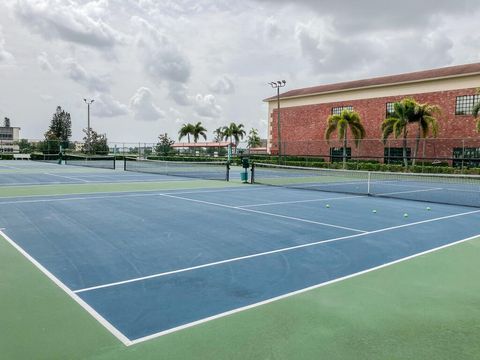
(424, 308)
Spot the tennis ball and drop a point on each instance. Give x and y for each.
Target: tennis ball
(405, 215)
(328, 205)
(374, 211)
(428, 208)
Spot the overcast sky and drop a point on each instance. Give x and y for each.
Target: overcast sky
(153, 65)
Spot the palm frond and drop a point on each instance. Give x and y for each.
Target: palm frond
(476, 109)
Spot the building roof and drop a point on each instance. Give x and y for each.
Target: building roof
(202, 144)
(446, 72)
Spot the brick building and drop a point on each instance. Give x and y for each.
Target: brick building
(304, 113)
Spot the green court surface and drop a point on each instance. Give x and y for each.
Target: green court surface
(424, 308)
(78, 189)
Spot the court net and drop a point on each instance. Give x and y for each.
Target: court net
(94, 161)
(211, 170)
(436, 188)
(48, 158)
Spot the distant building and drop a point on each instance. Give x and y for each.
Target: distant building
(78, 146)
(9, 137)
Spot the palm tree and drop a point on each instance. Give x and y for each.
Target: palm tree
(341, 123)
(185, 130)
(397, 123)
(253, 139)
(234, 132)
(198, 130)
(218, 134)
(424, 115)
(476, 112)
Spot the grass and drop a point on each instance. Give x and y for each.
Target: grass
(424, 308)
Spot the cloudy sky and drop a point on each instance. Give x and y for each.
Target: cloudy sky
(153, 65)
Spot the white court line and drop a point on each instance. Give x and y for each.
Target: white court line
(74, 296)
(408, 192)
(282, 250)
(112, 194)
(93, 182)
(301, 201)
(67, 177)
(237, 310)
(263, 213)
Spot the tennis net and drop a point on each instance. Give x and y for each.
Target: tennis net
(94, 161)
(436, 188)
(209, 170)
(48, 158)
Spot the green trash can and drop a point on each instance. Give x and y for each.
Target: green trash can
(244, 176)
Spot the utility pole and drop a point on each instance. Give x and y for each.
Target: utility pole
(88, 102)
(277, 85)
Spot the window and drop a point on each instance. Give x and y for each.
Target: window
(338, 110)
(465, 104)
(467, 157)
(336, 154)
(395, 155)
(6, 136)
(389, 111)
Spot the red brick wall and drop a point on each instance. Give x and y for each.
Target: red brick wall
(303, 127)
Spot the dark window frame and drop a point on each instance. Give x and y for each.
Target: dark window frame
(337, 110)
(389, 109)
(464, 104)
(467, 157)
(336, 154)
(394, 155)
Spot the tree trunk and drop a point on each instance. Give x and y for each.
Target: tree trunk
(345, 149)
(417, 144)
(405, 160)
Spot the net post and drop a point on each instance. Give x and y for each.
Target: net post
(369, 176)
(252, 176)
(124, 163)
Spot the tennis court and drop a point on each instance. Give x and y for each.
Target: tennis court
(149, 254)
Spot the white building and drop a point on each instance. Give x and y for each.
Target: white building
(9, 137)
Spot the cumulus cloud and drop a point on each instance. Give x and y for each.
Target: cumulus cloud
(271, 30)
(206, 106)
(43, 62)
(79, 74)
(143, 107)
(177, 115)
(361, 16)
(179, 93)
(328, 52)
(162, 60)
(5, 56)
(68, 21)
(106, 106)
(222, 85)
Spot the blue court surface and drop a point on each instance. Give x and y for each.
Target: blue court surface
(23, 173)
(149, 263)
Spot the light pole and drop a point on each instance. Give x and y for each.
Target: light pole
(88, 102)
(277, 85)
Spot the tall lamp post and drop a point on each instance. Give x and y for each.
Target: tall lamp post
(277, 85)
(88, 102)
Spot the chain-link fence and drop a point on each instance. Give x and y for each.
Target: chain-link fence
(453, 152)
